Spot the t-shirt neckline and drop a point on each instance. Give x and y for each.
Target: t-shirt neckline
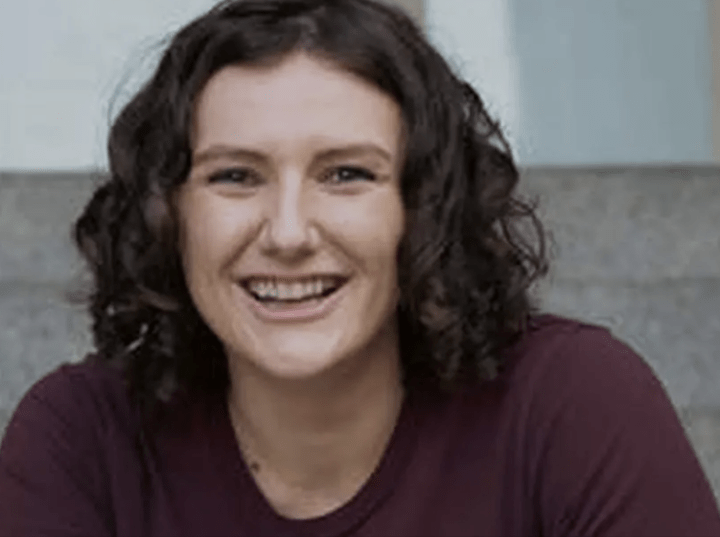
(265, 520)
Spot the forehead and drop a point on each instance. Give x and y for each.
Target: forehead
(300, 97)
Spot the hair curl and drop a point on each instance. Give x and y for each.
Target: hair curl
(471, 251)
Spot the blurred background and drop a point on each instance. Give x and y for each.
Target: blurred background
(612, 108)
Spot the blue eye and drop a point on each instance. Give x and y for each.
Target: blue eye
(348, 174)
(239, 176)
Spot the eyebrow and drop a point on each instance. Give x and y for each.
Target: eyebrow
(217, 152)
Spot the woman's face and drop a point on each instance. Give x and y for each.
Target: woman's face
(292, 215)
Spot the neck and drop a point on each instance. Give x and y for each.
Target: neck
(321, 434)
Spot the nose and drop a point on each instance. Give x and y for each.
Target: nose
(288, 231)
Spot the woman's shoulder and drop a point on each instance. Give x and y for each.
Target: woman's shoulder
(565, 354)
(547, 330)
(591, 421)
(569, 374)
(55, 452)
(92, 371)
(88, 396)
(565, 366)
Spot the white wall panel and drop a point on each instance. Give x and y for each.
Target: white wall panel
(476, 37)
(61, 63)
(574, 81)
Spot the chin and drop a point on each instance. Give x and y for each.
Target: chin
(303, 352)
(297, 358)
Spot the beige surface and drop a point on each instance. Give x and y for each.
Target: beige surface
(415, 7)
(714, 6)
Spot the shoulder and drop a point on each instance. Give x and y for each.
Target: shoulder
(54, 454)
(558, 355)
(598, 436)
(85, 399)
(568, 372)
(91, 374)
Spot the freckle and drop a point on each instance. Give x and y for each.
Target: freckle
(254, 467)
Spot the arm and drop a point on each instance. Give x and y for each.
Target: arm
(613, 456)
(51, 476)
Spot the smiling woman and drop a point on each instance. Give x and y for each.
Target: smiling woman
(285, 200)
(312, 316)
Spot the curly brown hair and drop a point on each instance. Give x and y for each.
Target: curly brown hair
(472, 247)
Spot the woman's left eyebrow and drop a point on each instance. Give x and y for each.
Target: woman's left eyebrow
(354, 151)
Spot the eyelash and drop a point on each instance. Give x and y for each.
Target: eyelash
(355, 171)
(250, 179)
(230, 176)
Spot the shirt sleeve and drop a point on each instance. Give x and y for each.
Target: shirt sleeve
(611, 456)
(51, 475)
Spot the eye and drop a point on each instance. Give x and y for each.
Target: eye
(239, 176)
(349, 174)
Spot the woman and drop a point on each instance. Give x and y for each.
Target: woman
(312, 317)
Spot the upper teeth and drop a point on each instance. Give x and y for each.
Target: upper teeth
(290, 291)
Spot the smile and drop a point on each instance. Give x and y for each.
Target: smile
(275, 290)
(303, 298)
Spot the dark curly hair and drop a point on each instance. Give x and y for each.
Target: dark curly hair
(471, 251)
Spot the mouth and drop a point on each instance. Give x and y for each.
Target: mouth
(278, 294)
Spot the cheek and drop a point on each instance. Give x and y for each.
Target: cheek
(370, 230)
(211, 233)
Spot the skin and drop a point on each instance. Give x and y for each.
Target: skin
(274, 190)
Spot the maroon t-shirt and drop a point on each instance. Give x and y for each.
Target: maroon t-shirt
(577, 438)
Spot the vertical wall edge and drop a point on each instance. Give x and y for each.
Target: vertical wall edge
(714, 16)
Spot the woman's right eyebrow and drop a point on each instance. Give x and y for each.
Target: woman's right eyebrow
(217, 152)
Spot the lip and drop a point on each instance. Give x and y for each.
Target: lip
(301, 313)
